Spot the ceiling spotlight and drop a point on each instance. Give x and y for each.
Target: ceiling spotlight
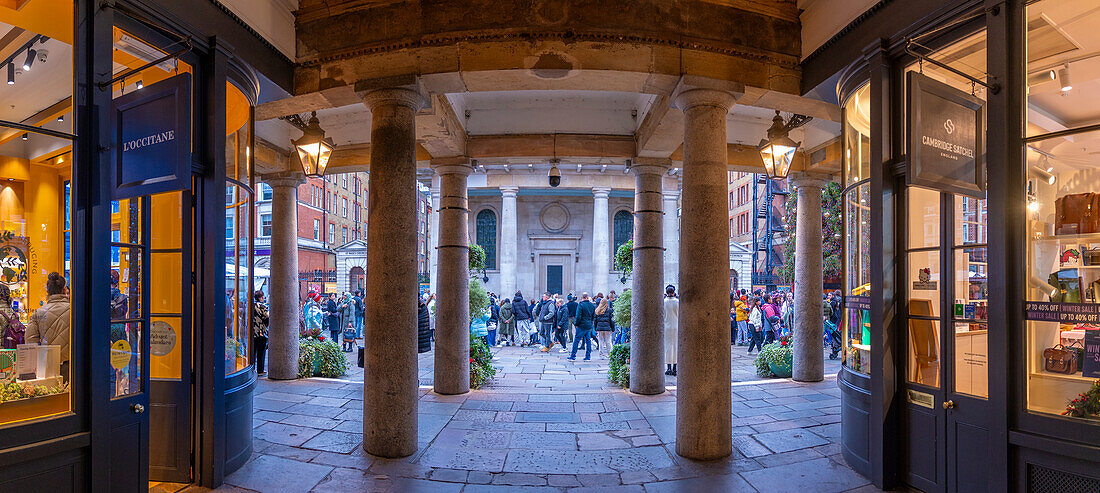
(1041, 77)
(29, 61)
(1063, 78)
(139, 85)
(42, 54)
(26, 136)
(61, 118)
(11, 74)
(1044, 174)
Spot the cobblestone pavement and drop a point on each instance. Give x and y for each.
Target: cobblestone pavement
(548, 424)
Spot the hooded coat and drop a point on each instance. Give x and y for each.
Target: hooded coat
(507, 325)
(423, 330)
(520, 308)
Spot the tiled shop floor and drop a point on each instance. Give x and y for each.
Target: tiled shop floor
(548, 424)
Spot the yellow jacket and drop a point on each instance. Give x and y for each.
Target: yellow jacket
(742, 310)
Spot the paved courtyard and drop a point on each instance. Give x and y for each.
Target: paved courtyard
(548, 424)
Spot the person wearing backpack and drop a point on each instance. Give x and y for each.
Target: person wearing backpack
(13, 332)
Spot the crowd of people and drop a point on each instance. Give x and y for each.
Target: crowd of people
(759, 318)
(340, 317)
(582, 321)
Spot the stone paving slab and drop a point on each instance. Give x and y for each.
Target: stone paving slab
(547, 424)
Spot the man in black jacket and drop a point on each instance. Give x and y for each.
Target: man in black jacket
(332, 316)
(586, 316)
(561, 322)
(522, 311)
(571, 308)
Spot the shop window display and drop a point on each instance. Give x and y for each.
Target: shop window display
(856, 318)
(1063, 212)
(239, 211)
(35, 174)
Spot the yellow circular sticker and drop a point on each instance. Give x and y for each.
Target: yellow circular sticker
(120, 354)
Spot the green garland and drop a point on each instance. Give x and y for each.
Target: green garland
(622, 309)
(481, 366)
(624, 258)
(321, 359)
(14, 391)
(1086, 405)
(618, 371)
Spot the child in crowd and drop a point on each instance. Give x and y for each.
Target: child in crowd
(349, 338)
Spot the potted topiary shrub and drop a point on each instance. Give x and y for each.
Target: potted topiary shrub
(317, 358)
(481, 367)
(618, 363)
(778, 356)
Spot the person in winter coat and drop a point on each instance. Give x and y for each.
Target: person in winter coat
(586, 314)
(571, 308)
(547, 314)
(522, 312)
(493, 323)
(347, 311)
(49, 324)
(423, 328)
(478, 327)
(672, 327)
(360, 312)
(260, 320)
(332, 317)
(786, 312)
(741, 318)
(604, 327)
(506, 328)
(756, 325)
(561, 322)
(772, 320)
(312, 311)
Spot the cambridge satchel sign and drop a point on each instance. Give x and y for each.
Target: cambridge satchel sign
(151, 150)
(946, 131)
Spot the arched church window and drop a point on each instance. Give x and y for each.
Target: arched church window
(624, 229)
(487, 236)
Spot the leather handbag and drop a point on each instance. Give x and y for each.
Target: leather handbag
(1077, 213)
(1058, 359)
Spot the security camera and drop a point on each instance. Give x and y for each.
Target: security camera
(42, 54)
(555, 174)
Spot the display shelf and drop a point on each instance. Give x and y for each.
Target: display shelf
(1075, 377)
(1086, 237)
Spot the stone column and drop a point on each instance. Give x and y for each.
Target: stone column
(809, 361)
(452, 306)
(703, 401)
(601, 243)
(647, 348)
(283, 296)
(509, 242)
(433, 261)
(671, 225)
(390, 374)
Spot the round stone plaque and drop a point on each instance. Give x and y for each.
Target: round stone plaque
(554, 217)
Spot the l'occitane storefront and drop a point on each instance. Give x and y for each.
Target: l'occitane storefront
(126, 198)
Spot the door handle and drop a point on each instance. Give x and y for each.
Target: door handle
(949, 404)
(137, 408)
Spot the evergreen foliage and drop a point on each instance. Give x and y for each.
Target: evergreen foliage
(832, 230)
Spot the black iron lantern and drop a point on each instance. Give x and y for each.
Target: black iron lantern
(314, 150)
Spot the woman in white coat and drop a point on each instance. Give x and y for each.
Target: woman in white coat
(672, 320)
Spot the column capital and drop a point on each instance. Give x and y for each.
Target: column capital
(509, 191)
(285, 179)
(691, 98)
(650, 166)
(399, 96)
(601, 192)
(811, 180)
(452, 166)
(434, 191)
(670, 194)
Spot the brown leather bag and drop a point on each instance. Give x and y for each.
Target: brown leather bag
(1058, 359)
(1077, 213)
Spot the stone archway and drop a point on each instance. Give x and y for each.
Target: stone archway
(357, 279)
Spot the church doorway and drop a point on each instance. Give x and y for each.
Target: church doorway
(555, 273)
(357, 279)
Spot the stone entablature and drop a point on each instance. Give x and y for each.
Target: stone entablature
(727, 40)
